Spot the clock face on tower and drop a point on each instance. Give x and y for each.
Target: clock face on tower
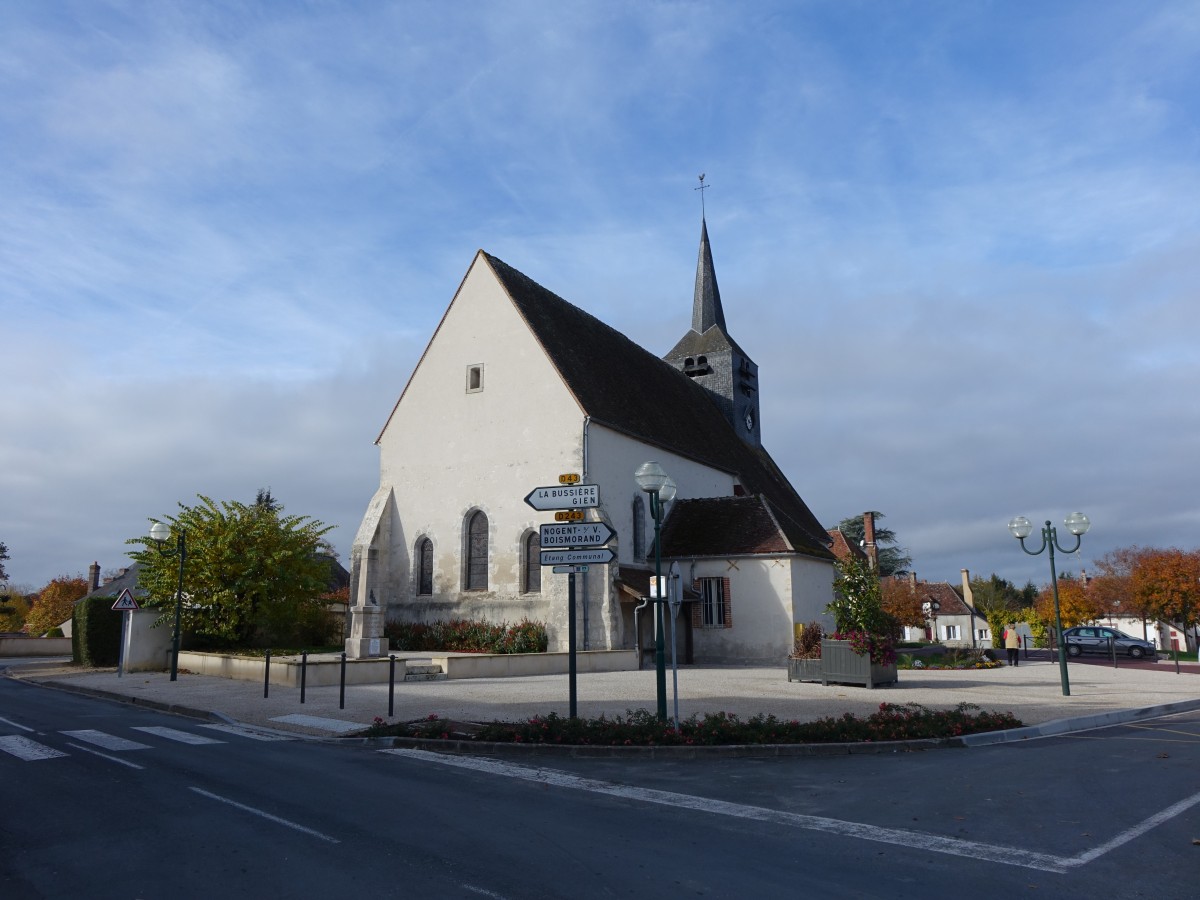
(749, 420)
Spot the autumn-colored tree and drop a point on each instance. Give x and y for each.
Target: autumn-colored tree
(53, 604)
(14, 607)
(901, 601)
(1075, 602)
(1166, 583)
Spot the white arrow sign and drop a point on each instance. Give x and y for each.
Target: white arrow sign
(125, 601)
(564, 496)
(596, 556)
(575, 534)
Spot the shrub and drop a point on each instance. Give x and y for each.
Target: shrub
(465, 636)
(808, 642)
(96, 632)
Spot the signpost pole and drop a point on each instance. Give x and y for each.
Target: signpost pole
(124, 631)
(571, 670)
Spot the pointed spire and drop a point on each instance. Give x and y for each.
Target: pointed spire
(706, 307)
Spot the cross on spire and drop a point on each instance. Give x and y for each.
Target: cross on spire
(703, 187)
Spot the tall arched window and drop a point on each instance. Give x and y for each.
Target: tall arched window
(425, 566)
(477, 552)
(533, 563)
(639, 528)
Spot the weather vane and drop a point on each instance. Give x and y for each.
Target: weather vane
(703, 187)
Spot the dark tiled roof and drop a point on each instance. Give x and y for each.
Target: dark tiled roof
(626, 388)
(722, 526)
(128, 578)
(941, 591)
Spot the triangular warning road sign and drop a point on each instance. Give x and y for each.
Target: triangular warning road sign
(125, 601)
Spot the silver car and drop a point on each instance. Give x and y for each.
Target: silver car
(1097, 639)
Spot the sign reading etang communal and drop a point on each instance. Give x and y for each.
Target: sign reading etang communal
(564, 496)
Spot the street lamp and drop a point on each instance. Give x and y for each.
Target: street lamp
(1077, 523)
(930, 608)
(653, 480)
(159, 533)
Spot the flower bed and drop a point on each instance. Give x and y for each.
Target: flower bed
(641, 728)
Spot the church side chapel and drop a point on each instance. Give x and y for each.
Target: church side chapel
(518, 386)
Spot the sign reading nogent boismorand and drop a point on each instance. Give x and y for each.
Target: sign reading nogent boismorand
(575, 534)
(564, 496)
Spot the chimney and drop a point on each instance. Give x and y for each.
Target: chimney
(869, 540)
(968, 597)
(94, 576)
(912, 580)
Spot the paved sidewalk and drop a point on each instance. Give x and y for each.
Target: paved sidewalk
(1031, 691)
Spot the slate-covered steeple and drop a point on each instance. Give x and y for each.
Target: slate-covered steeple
(709, 356)
(706, 306)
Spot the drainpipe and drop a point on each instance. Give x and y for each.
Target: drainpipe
(587, 644)
(637, 634)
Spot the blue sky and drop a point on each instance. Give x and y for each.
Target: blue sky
(961, 239)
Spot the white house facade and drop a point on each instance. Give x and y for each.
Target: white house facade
(517, 387)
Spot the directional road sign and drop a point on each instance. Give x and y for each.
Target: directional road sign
(564, 496)
(596, 556)
(575, 534)
(125, 601)
(569, 570)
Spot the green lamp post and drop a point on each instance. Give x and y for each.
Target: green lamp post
(159, 533)
(653, 480)
(1077, 523)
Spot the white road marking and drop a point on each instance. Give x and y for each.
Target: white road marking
(173, 734)
(248, 732)
(24, 748)
(15, 724)
(115, 759)
(266, 815)
(339, 725)
(934, 843)
(107, 741)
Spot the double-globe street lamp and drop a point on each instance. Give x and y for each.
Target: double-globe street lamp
(1077, 523)
(652, 479)
(159, 533)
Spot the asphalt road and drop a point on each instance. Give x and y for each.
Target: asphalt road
(1110, 810)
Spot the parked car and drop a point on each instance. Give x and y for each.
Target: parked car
(1095, 639)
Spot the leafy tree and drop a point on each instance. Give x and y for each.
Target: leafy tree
(253, 576)
(901, 602)
(3, 557)
(1166, 584)
(53, 604)
(996, 594)
(14, 607)
(1075, 603)
(893, 560)
(857, 599)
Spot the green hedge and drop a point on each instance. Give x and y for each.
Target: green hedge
(462, 636)
(96, 632)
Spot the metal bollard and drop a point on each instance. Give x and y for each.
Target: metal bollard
(391, 684)
(342, 693)
(267, 676)
(303, 672)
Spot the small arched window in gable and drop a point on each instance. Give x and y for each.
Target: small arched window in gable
(477, 551)
(424, 566)
(533, 564)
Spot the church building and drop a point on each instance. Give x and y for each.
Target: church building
(517, 387)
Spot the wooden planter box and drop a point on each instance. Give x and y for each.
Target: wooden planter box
(842, 665)
(804, 670)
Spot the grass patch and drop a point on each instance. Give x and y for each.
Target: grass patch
(641, 728)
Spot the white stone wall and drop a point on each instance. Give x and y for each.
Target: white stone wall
(447, 451)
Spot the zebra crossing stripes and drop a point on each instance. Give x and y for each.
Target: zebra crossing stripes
(173, 734)
(105, 740)
(26, 749)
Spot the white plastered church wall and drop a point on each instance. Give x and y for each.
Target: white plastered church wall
(448, 450)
